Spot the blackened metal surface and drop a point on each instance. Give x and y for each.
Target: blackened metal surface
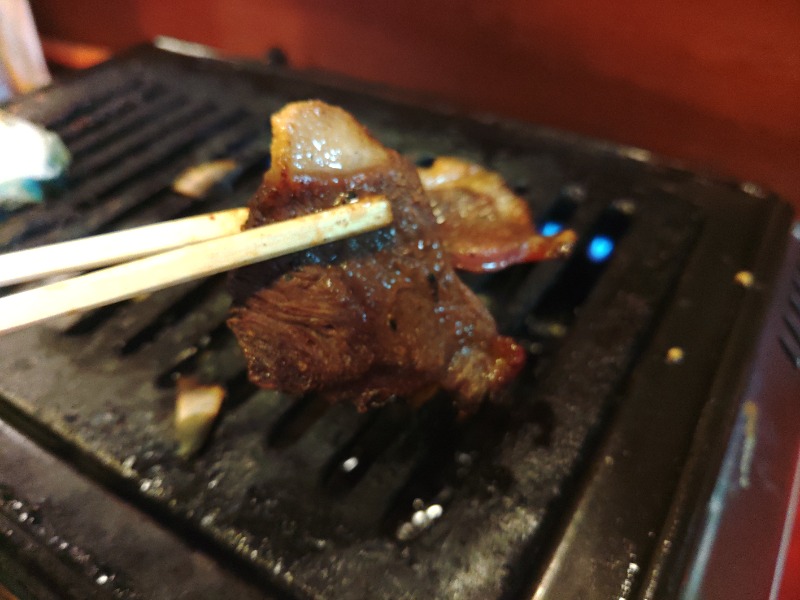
(65, 537)
(673, 413)
(752, 503)
(320, 501)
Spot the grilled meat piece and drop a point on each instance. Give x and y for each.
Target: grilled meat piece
(376, 316)
(483, 224)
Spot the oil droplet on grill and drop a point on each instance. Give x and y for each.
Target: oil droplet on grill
(421, 519)
(675, 355)
(744, 279)
(350, 464)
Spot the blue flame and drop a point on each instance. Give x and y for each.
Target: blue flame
(600, 248)
(551, 228)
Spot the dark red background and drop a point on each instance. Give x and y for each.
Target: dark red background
(714, 83)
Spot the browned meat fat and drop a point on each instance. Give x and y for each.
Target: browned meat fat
(484, 225)
(372, 317)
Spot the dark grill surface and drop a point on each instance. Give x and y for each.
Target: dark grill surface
(316, 501)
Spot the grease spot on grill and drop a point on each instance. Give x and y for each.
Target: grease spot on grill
(434, 511)
(625, 205)
(574, 191)
(350, 464)
(746, 279)
(628, 584)
(675, 355)
(421, 519)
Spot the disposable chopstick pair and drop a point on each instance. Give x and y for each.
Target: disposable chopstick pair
(225, 248)
(111, 248)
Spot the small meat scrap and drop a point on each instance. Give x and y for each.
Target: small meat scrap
(196, 408)
(196, 181)
(371, 318)
(483, 224)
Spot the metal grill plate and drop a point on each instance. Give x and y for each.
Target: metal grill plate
(321, 501)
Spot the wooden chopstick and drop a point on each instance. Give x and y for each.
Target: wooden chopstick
(110, 248)
(191, 262)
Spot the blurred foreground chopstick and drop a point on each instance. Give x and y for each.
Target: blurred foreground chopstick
(191, 262)
(110, 248)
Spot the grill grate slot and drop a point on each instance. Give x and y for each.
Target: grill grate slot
(793, 327)
(455, 456)
(794, 301)
(101, 132)
(790, 339)
(556, 216)
(584, 268)
(438, 439)
(791, 349)
(94, 319)
(195, 296)
(166, 322)
(216, 360)
(138, 139)
(164, 204)
(239, 390)
(299, 418)
(167, 146)
(126, 319)
(555, 289)
(188, 360)
(352, 461)
(94, 102)
(796, 281)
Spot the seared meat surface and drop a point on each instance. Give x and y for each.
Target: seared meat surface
(483, 224)
(373, 317)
